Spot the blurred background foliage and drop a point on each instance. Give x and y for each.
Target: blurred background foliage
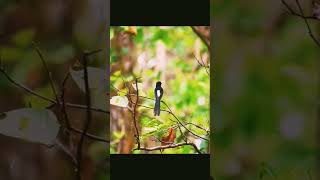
(154, 54)
(265, 92)
(62, 30)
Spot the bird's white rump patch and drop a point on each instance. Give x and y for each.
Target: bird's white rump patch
(158, 93)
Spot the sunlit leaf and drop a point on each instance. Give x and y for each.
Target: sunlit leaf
(123, 92)
(120, 101)
(118, 134)
(40, 126)
(117, 73)
(35, 102)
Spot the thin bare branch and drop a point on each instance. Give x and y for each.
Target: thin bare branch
(88, 118)
(24, 87)
(93, 137)
(292, 12)
(199, 127)
(47, 71)
(87, 54)
(202, 65)
(182, 134)
(63, 107)
(305, 18)
(307, 24)
(134, 115)
(79, 106)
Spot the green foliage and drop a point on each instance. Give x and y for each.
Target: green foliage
(265, 82)
(23, 38)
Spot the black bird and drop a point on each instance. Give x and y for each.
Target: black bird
(158, 92)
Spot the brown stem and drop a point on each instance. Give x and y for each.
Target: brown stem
(203, 39)
(134, 115)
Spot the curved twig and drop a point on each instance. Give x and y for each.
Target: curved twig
(202, 64)
(48, 72)
(93, 137)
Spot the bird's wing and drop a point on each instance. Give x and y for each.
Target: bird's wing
(161, 92)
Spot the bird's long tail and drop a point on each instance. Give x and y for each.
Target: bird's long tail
(157, 107)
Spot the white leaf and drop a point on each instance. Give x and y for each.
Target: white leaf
(120, 101)
(33, 125)
(97, 79)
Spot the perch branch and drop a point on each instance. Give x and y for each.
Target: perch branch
(170, 146)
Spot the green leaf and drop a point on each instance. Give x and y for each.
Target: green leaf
(10, 53)
(35, 101)
(117, 73)
(123, 92)
(149, 131)
(120, 101)
(118, 134)
(97, 84)
(23, 38)
(40, 126)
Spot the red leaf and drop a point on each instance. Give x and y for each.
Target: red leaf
(169, 139)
